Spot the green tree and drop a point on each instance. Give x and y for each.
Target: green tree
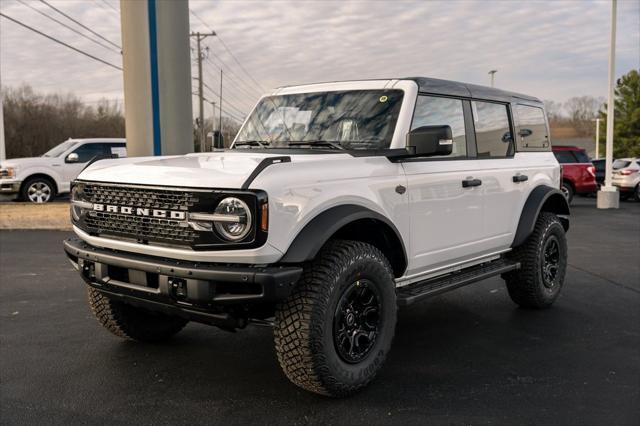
(626, 127)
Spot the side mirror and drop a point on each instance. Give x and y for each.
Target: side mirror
(430, 140)
(72, 158)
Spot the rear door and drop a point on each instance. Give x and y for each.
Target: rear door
(497, 165)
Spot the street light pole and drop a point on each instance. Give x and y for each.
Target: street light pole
(597, 138)
(492, 73)
(608, 197)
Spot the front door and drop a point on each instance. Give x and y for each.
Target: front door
(447, 216)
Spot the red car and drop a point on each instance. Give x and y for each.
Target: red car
(578, 173)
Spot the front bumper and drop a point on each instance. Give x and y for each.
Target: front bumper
(9, 186)
(197, 291)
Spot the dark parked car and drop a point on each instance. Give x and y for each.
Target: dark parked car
(599, 165)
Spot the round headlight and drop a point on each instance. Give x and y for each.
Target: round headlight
(235, 219)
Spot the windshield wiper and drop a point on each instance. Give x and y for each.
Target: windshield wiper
(261, 144)
(329, 144)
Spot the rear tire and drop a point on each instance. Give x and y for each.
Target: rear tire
(567, 191)
(543, 263)
(133, 323)
(333, 333)
(636, 193)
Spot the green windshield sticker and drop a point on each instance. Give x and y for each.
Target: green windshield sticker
(383, 98)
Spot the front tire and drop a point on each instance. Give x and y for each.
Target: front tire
(129, 322)
(333, 333)
(38, 190)
(543, 263)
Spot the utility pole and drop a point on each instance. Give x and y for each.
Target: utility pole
(608, 197)
(199, 37)
(220, 106)
(492, 73)
(213, 124)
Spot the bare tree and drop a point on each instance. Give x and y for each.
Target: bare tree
(554, 109)
(34, 123)
(582, 111)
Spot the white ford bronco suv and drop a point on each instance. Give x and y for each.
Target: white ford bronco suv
(337, 204)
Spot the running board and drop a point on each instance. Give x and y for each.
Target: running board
(415, 292)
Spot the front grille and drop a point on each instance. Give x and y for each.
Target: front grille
(129, 212)
(140, 197)
(140, 227)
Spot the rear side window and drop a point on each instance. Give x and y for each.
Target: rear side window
(581, 156)
(493, 134)
(532, 128)
(564, 157)
(117, 150)
(620, 164)
(435, 111)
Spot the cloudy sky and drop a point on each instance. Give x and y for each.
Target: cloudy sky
(550, 49)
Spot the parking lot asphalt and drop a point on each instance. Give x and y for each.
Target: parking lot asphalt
(466, 357)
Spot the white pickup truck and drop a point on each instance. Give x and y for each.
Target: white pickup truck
(40, 179)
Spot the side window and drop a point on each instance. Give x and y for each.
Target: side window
(88, 151)
(581, 156)
(117, 150)
(493, 134)
(435, 111)
(564, 157)
(532, 128)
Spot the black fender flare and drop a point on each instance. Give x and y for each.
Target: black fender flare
(321, 228)
(542, 198)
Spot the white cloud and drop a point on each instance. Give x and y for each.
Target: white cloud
(550, 49)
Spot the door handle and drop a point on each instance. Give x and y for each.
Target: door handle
(520, 178)
(471, 182)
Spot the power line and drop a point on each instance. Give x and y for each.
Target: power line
(69, 27)
(236, 84)
(231, 72)
(61, 42)
(230, 115)
(81, 24)
(230, 52)
(238, 110)
(110, 6)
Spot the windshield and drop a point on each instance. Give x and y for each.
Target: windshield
(355, 119)
(58, 150)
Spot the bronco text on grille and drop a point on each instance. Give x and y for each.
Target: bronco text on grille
(142, 213)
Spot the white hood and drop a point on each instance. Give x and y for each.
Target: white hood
(228, 169)
(28, 162)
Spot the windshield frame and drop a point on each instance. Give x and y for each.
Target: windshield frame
(403, 121)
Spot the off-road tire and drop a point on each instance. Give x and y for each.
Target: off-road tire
(132, 323)
(568, 191)
(304, 322)
(527, 285)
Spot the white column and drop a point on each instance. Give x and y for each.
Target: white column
(157, 77)
(608, 197)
